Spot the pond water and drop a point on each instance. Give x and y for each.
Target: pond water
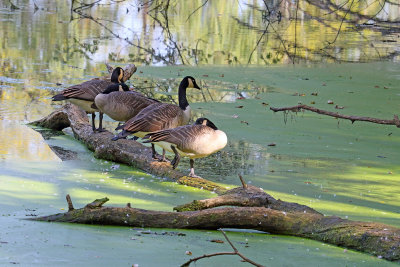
(338, 168)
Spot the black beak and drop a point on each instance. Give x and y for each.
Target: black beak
(195, 85)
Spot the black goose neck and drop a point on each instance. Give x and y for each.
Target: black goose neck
(115, 88)
(183, 103)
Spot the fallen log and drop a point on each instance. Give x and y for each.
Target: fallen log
(374, 238)
(124, 151)
(395, 121)
(246, 196)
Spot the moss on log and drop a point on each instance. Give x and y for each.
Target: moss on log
(246, 196)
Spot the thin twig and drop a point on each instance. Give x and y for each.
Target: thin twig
(186, 264)
(202, 93)
(341, 23)
(298, 108)
(205, 2)
(208, 91)
(150, 51)
(258, 42)
(295, 32)
(13, 7)
(236, 252)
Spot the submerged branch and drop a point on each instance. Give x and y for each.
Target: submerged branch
(395, 121)
(235, 252)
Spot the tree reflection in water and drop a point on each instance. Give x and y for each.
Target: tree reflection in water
(263, 32)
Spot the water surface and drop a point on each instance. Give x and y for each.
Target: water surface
(338, 168)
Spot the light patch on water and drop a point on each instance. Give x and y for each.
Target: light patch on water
(19, 142)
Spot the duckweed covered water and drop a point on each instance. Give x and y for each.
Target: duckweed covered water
(333, 166)
(338, 168)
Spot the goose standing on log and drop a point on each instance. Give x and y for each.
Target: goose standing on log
(83, 94)
(160, 116)
(194, 141)
(121, 106)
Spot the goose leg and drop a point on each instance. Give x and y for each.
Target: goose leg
(153, 152)
(100, 129)
(156, 156)
(163, 156)
(93, 126)
(176, 159)
(191, 174)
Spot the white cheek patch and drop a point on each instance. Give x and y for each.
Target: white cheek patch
(121, 75)
(190, 83)
(120, 88)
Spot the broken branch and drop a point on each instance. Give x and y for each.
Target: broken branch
(69, 201)
(298, 108)
(236, 252)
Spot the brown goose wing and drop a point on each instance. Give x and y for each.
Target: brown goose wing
(86, 90)
(181, 136)
(154, 118)
(131, 99)
(125, 105)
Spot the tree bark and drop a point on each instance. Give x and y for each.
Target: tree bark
(373, 238)
(246, 196)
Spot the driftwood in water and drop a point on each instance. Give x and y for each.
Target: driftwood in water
(395, 121)
(124, 151)
(373, 238)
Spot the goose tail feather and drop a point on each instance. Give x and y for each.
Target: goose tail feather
(121, 135)
(58, 97)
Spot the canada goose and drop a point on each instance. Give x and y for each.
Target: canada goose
(160, 116)
(194, 141)
(121, 106)
(83, 94)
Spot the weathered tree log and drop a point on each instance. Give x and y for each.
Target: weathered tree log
(374, 238)
(298, 108)
(246, 196)
(124, 151)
